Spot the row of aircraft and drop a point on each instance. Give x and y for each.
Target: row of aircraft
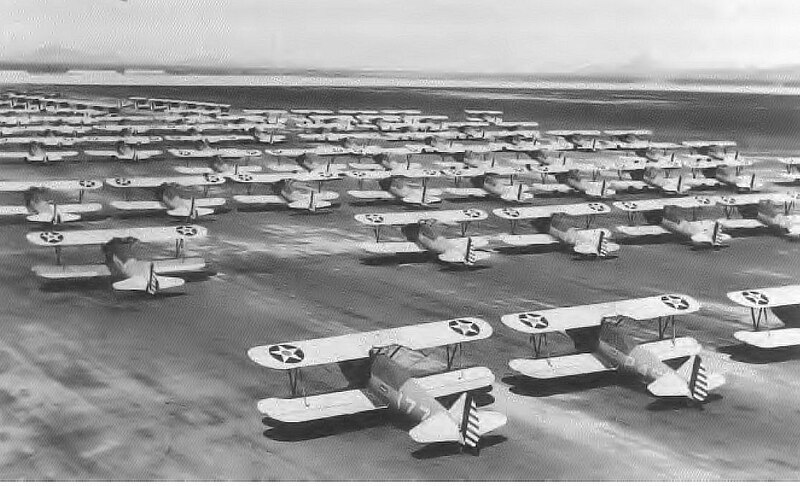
(390, 370)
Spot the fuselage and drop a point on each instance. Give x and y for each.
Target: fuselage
(393, 383)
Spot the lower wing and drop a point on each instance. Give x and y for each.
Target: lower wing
(69, 272)
(392, 247)
(316, 407)
(559, 366)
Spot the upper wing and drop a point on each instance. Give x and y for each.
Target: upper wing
(769, 297)
(563, 318)
(188, 180)
(658, 204)
(138, 205)
(447, 216)
(356, 346)
(534, 212)
(57, 185)
(96, 237)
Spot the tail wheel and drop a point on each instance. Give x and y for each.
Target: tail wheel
(533, 320)
(464, 327)
(755, 297)
(674, 301)
(286, 353)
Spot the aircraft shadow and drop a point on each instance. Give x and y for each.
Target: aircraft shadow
(531, 387)
(318, 429)
(679, 403)
(526, 250)
(443, 449)
(396, 259)
(745, 353)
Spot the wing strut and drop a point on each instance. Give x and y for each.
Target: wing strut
(665, 323)
(758, 315)
(454, 351)
(538, 341)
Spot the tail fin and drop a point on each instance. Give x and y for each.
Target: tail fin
(602, 245)
(152, 282)
(465, 413)
(56, 215)
(698, 382)
(192, 211)
(716, 235)
(469, 256)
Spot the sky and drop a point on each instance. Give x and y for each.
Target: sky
(481, 36)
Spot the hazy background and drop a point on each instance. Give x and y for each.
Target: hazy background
(466, 36)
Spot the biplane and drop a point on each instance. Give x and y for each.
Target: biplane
(604, 344)
(393, 375)
(785, 305)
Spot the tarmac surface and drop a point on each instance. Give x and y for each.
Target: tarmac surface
(102, 385)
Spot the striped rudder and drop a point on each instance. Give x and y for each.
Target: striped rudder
(152, 282)
(698, 383)
(470, 424)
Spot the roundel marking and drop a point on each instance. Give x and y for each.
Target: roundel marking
(122, 181)
(728, 200)
(629, 205)
(597, 207)
(464, 327)
(703, 200)
(374, 218)
(51, 237)
(674, 301)
(472, 213)
(212, 177)
(244, 177)
(286, 353)
(510, 212)
(755, 297)
(87, 183)
(186, 230)
(533, 320)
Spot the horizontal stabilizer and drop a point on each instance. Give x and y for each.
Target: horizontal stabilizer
(459, 257)
(740, 224)
(769, 339)
(669, 385)
(316, 407)
(141, 283)
(559, 366)
(458, 381)
(306, 204)
(438, 428)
